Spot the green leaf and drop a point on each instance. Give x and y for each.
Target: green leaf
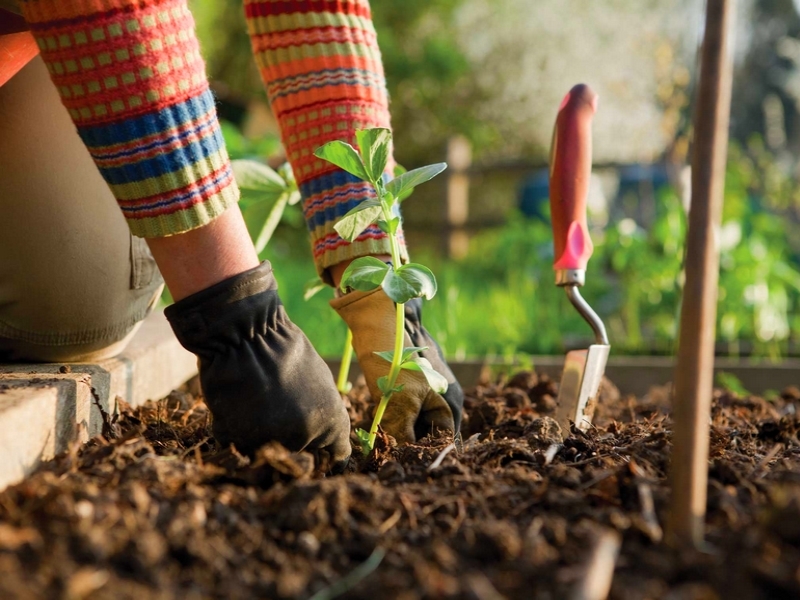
(402, 186)
(391, 226)
(388, 355)
(271, 224)
(397, 288)
(235, 142)
(312, 287)
(363, 438)
(287, 174)
(411, 351)
(255, 213)
(383, 384)
(294, 197)
(399, 170)
(364, 274)
(358, 219)
(374, 145)
(344, 156)
(258, 177)
(435, 379)
(419, 278)
(730, 382)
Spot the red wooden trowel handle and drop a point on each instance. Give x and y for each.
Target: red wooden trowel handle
(570, 169)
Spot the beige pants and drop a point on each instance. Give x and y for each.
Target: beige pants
(74, 283)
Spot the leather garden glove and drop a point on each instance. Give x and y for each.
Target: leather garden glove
(261, 377)
(416, 410)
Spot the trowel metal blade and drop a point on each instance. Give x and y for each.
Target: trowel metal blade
(580, 382)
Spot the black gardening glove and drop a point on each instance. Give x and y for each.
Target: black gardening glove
(261, 377)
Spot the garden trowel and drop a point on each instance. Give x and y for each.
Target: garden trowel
(570, 170)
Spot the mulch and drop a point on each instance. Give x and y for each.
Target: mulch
(153, 508)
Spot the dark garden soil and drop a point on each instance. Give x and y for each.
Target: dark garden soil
(154, 509)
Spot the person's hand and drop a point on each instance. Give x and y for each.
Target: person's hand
(417, 410)
(261, 377)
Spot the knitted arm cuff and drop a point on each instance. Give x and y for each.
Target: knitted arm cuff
(131, 76)
(324, 78)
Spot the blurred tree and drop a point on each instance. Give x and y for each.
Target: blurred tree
(428, 77)
(229, 60)
(527, 55)
(431, 84)
(767, 82)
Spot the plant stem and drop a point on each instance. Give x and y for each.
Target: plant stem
(347, 358)
(394, 370)
(350, 580)
(271, 223)
(387, 216)
(399, 332)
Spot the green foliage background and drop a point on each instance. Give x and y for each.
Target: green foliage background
(501, 299)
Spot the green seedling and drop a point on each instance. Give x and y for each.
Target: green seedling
(311, 289)
(316, 285)
(400, 282)
(731, 383)
(265, 193)
(343, 381)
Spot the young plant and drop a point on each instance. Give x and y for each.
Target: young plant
(265, 195)
(400, 282)
(311, 289)
(316, 285)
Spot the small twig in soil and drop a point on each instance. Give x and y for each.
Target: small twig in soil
(482, 587)
(523, 507)
(596, 583)
(353, 578)
(586, 461)
(460, 516)
(471, 441)
(439, 504)
(767, 459)
(595, 480)
(412, 518)
(190, 411)
(654, 531)
(551, 452)
(390, 522)
(441, 456)
(194, 447)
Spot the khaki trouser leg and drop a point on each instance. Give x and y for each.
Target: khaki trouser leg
(73, 281)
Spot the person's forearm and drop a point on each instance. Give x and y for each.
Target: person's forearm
(322, 70)
(132, 78)
(193, 261)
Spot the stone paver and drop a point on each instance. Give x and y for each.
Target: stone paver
(45, 407)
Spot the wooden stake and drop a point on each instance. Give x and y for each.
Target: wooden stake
(695, 365)
(459, 159)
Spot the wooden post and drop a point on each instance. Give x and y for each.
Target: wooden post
(459, 159)
(695, 365)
